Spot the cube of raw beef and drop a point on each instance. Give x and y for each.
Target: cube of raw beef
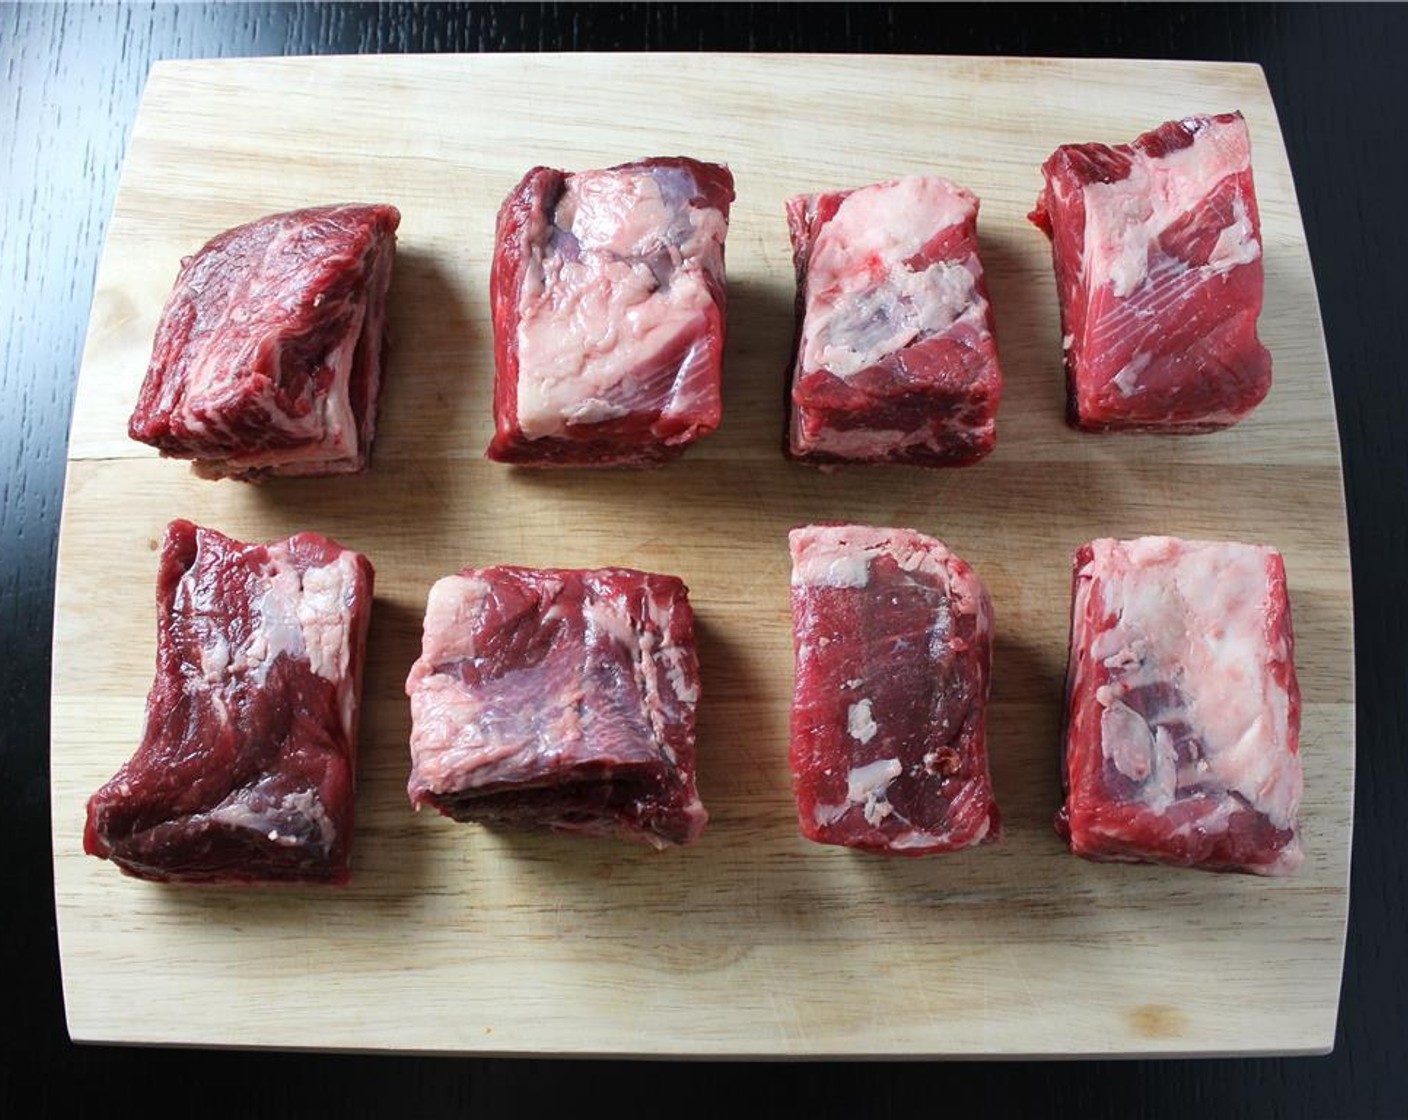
(896, 358)
(893, 637)
(561, 699)
(268, 356)
(1157, 248)
(608, 298)
(1183, 714)
(245, 773)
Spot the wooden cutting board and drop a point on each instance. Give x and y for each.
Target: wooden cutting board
(453, 938)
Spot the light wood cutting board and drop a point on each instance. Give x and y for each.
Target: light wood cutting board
(453, 938)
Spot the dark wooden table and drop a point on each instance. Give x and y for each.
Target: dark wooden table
(72, 77)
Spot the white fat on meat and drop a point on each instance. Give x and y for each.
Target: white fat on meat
(839, 556)
(1127, 380)
(452, 602)
(1192, 614)
(866, 790)
(214, 658)
(863, 301)
(860, 723)
(685, 689)
(1125, 219)
(304, 617)
(1237, 244)
(674, 657)
(635, 282)
(867, 785)
(321, 614)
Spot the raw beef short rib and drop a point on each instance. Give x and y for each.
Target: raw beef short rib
(896, 357)
(608, 297)
(1182, 737)
(561, 699)
(245, 773)
(1157, 250)
(893, 636)
(268, 356)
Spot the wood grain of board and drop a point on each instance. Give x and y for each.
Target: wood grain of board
(454, 938)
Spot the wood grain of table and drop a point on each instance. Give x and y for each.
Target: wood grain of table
(73, 76)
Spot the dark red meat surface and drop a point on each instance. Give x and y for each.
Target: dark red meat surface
(268, 355)
(1157, 252)
(893, 637)
(558, 698)
(245, 773)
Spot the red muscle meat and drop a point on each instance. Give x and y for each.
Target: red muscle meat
(245, 773)
(608, 298)
(1183, 713)
(893, 638)
(268, 356)
(896, 357)
(1157, 250)
(561, 699)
